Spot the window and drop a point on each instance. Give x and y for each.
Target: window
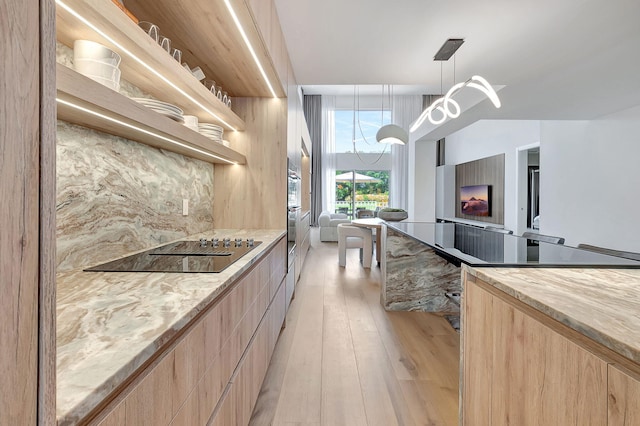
(371, 190)
(367, 125)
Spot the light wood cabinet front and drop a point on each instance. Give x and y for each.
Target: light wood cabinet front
(518, 371)
(229, 347)
(624, 397)
(477, 317)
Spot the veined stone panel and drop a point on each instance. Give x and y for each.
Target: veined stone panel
(115, 196)
(415, 278)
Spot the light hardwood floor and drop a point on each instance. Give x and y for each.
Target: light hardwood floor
(343, 360)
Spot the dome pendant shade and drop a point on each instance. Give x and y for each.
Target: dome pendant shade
(392, 134)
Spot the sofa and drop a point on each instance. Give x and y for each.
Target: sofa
(328, 223)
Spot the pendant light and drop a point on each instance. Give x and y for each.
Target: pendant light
(446, 107)
(391, 133)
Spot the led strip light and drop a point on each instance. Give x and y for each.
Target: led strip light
(448, 108)
(246, 41)
(139, 129)
(144, 64)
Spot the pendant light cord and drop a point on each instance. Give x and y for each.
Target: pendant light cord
(356, 110)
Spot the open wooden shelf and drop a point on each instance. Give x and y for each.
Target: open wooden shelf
(144, 63)
(206, 33)
(100, 106)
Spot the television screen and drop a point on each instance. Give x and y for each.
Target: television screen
(475, 200)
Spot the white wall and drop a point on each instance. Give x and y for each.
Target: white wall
(422, 181)
(590, 180)
(492, 137)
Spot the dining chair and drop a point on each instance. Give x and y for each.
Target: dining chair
(361, 214)
(500, 230)
(350, 236)
(611, 252)
(544, 238)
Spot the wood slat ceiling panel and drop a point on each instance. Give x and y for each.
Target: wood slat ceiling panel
(206, 33)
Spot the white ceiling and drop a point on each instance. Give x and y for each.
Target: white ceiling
(558, 59)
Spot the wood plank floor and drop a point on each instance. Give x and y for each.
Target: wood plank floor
(343, 360)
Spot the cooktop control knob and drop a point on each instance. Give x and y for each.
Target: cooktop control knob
(250, 242)
(203, 242)
(227, 242)
(215, 241)
(238, 242)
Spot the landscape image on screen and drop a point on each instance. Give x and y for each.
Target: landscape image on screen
(475, 200)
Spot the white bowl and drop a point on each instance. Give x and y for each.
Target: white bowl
(85, 49)
(97, 68)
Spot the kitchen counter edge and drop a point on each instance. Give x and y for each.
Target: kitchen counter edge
(601, 304)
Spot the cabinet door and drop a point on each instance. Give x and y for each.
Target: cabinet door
(536, 375)
(624, 398)
(541, 377)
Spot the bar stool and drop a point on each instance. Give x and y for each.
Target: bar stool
(350, 236)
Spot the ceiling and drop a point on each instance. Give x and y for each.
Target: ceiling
(569, 59)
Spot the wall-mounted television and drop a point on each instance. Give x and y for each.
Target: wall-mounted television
(475, 200)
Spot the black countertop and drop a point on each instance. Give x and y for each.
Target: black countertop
(475, 246)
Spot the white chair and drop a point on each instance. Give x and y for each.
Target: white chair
(350, 236)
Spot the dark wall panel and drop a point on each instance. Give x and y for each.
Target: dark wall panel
(486, 171)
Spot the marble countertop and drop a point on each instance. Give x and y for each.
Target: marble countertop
(479, 247)
(110, 323)
(601, 304)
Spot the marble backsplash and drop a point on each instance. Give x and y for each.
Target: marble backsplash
(116, 196)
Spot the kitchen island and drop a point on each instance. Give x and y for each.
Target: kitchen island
(421, 266)
(116, 328)
(550, 346)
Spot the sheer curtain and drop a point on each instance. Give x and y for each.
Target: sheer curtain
(405, 110)
(328, 153)
(313, 113)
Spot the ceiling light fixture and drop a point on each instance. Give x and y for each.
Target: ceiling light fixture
(391, 133)
(446, 107)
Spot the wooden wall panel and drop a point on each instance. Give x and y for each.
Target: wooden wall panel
(486, 171)
(254, 195)
(19, 209)
(47, 286)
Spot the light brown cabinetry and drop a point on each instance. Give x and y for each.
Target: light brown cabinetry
(624, 397)
(220, 360)
(519, 371)
(521, 367)
(303, 242)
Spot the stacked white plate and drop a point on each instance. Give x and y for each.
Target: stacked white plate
(212, 131)
(164, 108)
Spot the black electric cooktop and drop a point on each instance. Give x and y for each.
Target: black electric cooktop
(182, 256)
